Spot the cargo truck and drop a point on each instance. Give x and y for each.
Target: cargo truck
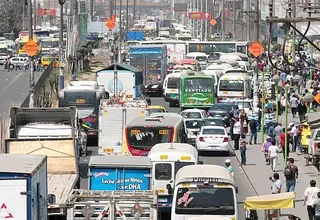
(52, 132)
(23, 187)
(119, 188)
(113, 117)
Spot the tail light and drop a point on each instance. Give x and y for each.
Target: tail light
(316, 148)
(201, 139)
(225, 139)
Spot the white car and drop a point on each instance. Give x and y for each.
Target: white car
(193, 126)
(194, 113)
(213, 138)
(19, 61)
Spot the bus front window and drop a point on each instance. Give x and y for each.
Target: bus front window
(173, 83)
(46, 44)
(198, 85)
(231, 85)
(77, 98)
(145, 138)
(205, 201)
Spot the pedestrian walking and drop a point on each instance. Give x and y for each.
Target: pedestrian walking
(283, 144)
(253, 124)
(302, 110)
(265, 149)
(316, 206)
(278, 130)
(310, 195)
(294, 105)
(276, 183)
(227, 163)
(271, 131)
(236, 133)
(273, 152)
(294, 136)
(243, 148)
(291, 174)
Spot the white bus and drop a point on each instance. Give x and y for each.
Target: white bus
(167, 159)
(235, 84)
(206, 190)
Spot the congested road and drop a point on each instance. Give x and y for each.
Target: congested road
(14, 88)
(244, 187)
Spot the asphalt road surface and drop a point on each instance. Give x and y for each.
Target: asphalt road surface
(14, 88)
(244, 187)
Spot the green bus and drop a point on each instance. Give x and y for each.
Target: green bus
(196, 90)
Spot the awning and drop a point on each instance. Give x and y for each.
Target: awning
(272, 201)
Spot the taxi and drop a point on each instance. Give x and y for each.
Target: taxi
(156, 109)
(46, 60)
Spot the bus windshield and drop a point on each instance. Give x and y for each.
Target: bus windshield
(173, 83)
(198, 85)
(78, 98)
(205, 201)
(46, 44)
(231, 85)
(142, 138)
(3, 51)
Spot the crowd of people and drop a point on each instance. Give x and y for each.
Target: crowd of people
(9, 66)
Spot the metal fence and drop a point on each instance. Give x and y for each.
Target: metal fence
(45, 88)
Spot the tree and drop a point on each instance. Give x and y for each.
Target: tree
(11, 15)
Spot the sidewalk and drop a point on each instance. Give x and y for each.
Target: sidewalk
(258, 172)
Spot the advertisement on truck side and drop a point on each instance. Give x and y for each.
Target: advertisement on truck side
(119, 179)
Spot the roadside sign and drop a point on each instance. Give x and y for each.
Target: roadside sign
(153, 67)
(317, 98)
(110, 24)
(256, 49)
(196, 15)
(206, 15)
(213, 22)
(31, 48)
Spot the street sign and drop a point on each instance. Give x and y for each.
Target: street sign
(196, 15)
(317, 98)
(110, 24)
(256, 49)
(31, 48)
(206, 15)
(87, 211)
(213, 22)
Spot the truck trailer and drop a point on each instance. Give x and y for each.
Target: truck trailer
(52, 132)
(23, 187)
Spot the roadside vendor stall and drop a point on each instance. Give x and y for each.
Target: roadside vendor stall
(271, 204)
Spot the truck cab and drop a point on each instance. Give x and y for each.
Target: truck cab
(167, 159)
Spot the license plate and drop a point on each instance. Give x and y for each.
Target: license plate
(129, 96)
(80, 101)
(217, 116)
(162, 200)
(213, 146)
(108, 150)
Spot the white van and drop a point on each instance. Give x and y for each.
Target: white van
(171, 85)
(204, 190)
(202, 58)
(167, 159)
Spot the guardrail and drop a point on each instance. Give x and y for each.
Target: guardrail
(45, 88)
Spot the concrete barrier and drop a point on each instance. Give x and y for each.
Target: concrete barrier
(46, 89)
(4, 128)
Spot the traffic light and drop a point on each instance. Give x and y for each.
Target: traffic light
(270, 10)
(309, 8)
(289, 8)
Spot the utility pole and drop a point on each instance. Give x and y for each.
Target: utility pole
(61, 75)
(258, 20)
(256, 84)
(74, 54)
(31, 76)
(134, 9)
(127, 18)
(35, 15)
(294, 34)
(91, 9)
(234, 20)
(206, 22)
(120, 32)
(201, 24)
(222, 21)
(248, 20)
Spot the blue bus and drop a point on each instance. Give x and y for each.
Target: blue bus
(152, 61)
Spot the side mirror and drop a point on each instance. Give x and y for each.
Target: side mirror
(170, 189)
(237, 189)
(51, 199)
(200, 162)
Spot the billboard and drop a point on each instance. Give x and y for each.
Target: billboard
(180, 7)
(119, 179)
(46, 11)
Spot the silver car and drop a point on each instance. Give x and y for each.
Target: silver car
(19, 61)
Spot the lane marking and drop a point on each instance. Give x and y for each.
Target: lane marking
(10, 84)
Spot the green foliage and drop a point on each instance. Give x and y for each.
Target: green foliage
(276, 47)
(11, 15)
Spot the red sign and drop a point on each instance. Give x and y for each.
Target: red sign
(196, 15)
(46, 11)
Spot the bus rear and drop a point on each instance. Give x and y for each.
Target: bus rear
(204, 190)
(197, 91)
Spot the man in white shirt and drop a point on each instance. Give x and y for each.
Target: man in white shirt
(273, 151)
(294, 135)
(236, 133)
(310, 195)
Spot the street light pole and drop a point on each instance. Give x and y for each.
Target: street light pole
(276, 80)
(206, 23)
(61, 75)
(31, 76)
